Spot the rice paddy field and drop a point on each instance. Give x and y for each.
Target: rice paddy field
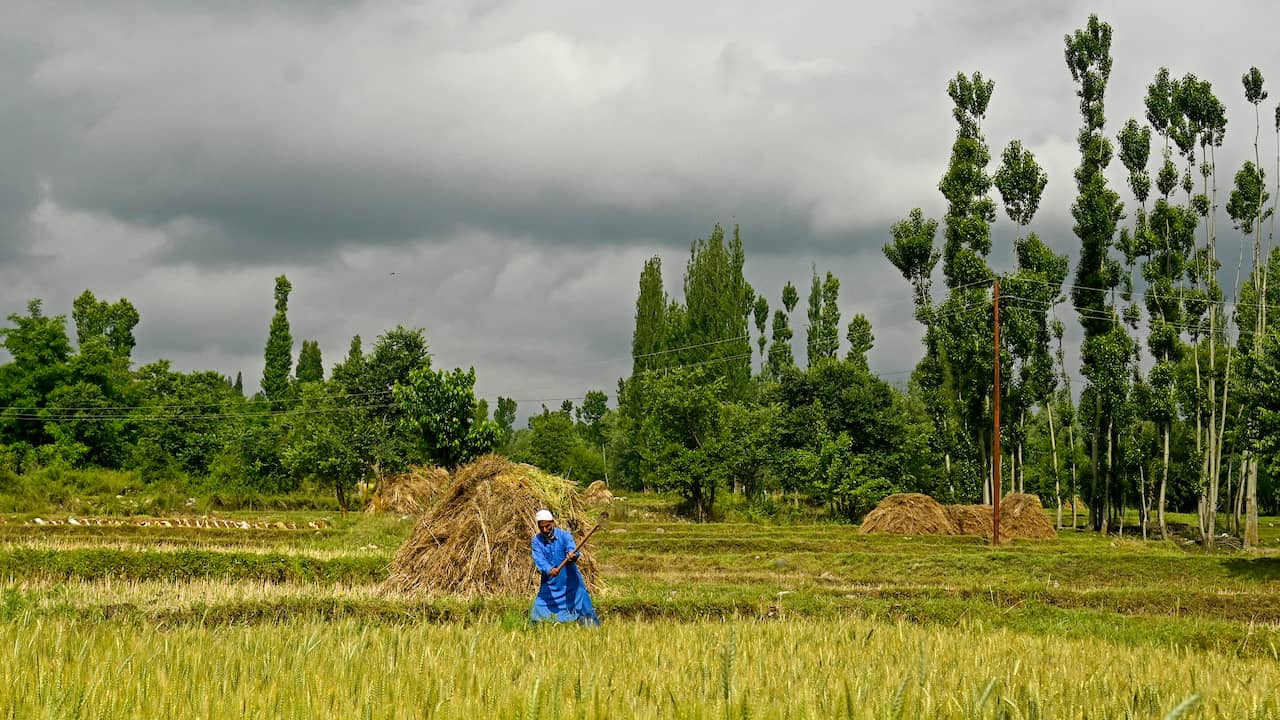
(716, 620)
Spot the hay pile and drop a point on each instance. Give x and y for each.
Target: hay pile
(1021, 516)
(971, 519)
(475, 539)
(597, 493)
(410, 493)
(908, 514)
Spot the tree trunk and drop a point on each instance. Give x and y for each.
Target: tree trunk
(1251, 505)
(1106, 491)
(1075, 480)
(1164, 484)
(1095, 504)
(1053, 447)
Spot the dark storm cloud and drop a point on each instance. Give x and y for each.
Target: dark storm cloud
(514, 163)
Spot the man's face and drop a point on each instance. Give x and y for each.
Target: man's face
(545, 526)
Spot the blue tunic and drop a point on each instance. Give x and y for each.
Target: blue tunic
(562, 598)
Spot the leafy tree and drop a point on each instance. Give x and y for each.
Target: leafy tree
(591, 416)
(505, 417)
(682, 416)
(963, 322)
(310, 366)
(813, 331)
(717, 305)
(239, 384)
(40, 350)
(1097, 212)
(861, 340)
(650, 337)
(279, 351)
(780, 356)
(319, 445)
(440, 407)
(760, 312)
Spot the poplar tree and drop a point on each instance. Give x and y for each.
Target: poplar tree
(279, 351)
(965, 319)
(1206, 124)
(760, 313)
(1172, 233)
(310, 366)
(717, 304)
(913, 253)
(649, 337)
(813, 331)
(861, 340)
(780, 355)
(1097, 211)
(1035, 285)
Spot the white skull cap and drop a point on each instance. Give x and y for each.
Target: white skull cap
(543, 515)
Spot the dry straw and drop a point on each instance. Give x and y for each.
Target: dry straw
(597, 493)
(475, 540)
(1021, 516)
(410, 493)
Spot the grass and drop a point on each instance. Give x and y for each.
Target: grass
(701, 620)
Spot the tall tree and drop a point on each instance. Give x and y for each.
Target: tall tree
(717, 303)
(780, 355)
(1097, 212)
(861, 340)
(279, 351)
(964, 321)
(505, 416)
(914, 254)
(813, 331)
(760, 313)
(650, 337)
(310, 366)
(1247, 209)
(1172, 227)
(440, 407)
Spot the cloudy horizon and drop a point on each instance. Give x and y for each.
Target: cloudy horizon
(497, 172)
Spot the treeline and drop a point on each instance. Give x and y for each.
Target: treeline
(378, 411)
(1180, 403)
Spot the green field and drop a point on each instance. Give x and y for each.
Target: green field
(701, 620)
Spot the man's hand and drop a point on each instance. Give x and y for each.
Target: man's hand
(553, 572)
(572, 557)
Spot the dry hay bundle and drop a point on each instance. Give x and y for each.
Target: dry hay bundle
(908, 514)
(971, 519)
(409, 493)
(1022, 515)
(475, 540)
(597, 493)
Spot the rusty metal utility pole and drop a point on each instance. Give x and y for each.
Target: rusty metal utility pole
(995, 447)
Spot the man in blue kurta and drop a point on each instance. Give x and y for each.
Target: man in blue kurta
(562, 595)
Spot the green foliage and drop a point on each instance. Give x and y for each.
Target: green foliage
(310, 367)
(439, 407)
(278, 354)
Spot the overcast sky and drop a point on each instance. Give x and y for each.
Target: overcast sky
(497, 172)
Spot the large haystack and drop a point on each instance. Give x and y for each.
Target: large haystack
(908, 514)
(409, 493)
(971, 519)
(597, 493)
(1022, 516)
(475, 540)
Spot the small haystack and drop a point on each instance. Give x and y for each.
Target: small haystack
(475, 539)
(908, 514)
(1022, 516)
(596, 494)
(971, 519)
(409, 493)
